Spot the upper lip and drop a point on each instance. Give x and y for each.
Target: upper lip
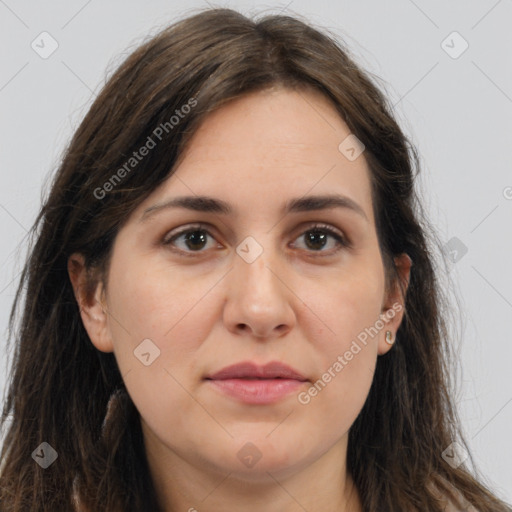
(248, 369)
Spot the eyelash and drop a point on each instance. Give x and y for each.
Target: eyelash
(342, 242)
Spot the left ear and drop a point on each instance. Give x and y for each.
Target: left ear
(394, 304)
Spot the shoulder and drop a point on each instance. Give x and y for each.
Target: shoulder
(78, 506)
(450, 504)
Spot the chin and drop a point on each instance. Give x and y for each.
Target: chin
(253, 458)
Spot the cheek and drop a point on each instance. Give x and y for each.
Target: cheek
(175, 313)
(154, 300)
(346, 346)
(348, 306)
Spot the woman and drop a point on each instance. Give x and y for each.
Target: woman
(231, 302)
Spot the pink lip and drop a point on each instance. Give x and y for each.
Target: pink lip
(254, 384)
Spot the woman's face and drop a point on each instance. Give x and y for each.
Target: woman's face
(256, 284)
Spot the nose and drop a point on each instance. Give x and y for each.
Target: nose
(259, 299)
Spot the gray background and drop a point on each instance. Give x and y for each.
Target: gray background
(458, 112)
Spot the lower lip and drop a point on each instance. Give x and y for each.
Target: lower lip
(257, 391)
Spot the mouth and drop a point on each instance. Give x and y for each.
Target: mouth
(253, 384)
(248, 370)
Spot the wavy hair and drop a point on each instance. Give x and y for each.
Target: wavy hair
(63, 391)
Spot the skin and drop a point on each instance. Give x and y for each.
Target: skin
(290, 304)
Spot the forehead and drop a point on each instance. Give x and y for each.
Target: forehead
(268, 146)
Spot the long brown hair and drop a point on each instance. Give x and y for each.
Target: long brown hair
(61, 387)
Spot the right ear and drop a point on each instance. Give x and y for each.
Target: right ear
(89, 293)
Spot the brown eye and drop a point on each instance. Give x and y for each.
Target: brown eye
(319, 237)
(190, 240)
(316, 239)
(195, 239)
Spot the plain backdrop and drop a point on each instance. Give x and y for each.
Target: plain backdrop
(445, 66)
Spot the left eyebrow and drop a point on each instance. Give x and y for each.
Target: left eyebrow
(323, 202)
(301, 204)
